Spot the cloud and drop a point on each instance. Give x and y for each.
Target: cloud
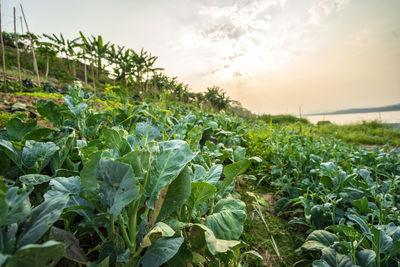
(324, 8)
(238, 39)
(231, 23)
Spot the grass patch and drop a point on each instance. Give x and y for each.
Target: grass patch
(365, 133)
(41, 95)
(4, 118)
(282, 119)
(255, 234)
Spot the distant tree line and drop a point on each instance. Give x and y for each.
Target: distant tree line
(103, 62)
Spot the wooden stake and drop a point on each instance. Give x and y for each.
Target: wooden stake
(4, 55)
(47, 66)
(18, 56)
(84, 70)
(35, 66)
(22, 25)
(94, 81)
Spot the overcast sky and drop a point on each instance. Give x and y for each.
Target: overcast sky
(272, 56)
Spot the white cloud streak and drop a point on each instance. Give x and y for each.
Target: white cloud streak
(325, 8)
(238, 40)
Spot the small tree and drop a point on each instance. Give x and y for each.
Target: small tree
(48, 51)
(217, 97)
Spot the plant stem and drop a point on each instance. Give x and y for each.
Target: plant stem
(111, 228)
(124, 233)
(211, 205)
(132, 221)
(103, 239)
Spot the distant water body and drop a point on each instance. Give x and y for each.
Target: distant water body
(385, 117)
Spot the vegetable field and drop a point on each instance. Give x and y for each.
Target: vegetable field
(148, 173)
(115, 184)
(345, 197)
(121, 186)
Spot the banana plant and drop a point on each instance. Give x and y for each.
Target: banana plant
(48, 51)
(99, 49)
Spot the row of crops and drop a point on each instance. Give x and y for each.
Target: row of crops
(121, 185)
(112, 184)
(345, 197)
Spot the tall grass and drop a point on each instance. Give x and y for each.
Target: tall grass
(368, 133)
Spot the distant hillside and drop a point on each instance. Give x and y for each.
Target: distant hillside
(361, 110)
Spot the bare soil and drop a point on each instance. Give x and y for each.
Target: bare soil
(7, 100)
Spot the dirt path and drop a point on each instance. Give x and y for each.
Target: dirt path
(7, 100)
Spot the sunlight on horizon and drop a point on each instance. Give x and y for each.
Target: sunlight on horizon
(273, 55)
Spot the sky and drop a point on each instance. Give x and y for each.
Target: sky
(274, 56)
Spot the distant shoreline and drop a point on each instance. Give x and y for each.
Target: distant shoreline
(359, 110)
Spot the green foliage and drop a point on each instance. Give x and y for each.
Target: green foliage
(127, 176)
(217, 98)
(282, 119)
(153, 184)
(5, 117)
(345, 195)
(368, 133)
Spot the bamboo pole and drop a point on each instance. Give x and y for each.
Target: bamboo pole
(84, 69)
(94, 81)
(35, 66)
(3, 54)
(17, 47)
(47, 66)
(22, 25)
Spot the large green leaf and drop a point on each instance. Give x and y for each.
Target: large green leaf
(42, 217)
(214, 244)
(50, 111)
(139, 160)
(381, 242)
(366, 258)
(334, 259)
(200, 192)
(347, 230)
(194, 136)
(36, 155)
(38, 133)
(161, 251)
(73, 251)
(43, 255)
(317, 216)
(115, 139)
(19, 206)
(3, 258)
(3, 207)
(211, 177)
(173, 157)
(118, 185)
(34, 179)
(177, 194)
(363, 225)
(239, 153)
(16, 128)
(147, 132)
(231, 171)
(319, 240)
(320, 263)
(227, 220)
(14, 154)
(88, 172)
(67, 186)
(66, 145)
(159, 229)
(362, 205)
